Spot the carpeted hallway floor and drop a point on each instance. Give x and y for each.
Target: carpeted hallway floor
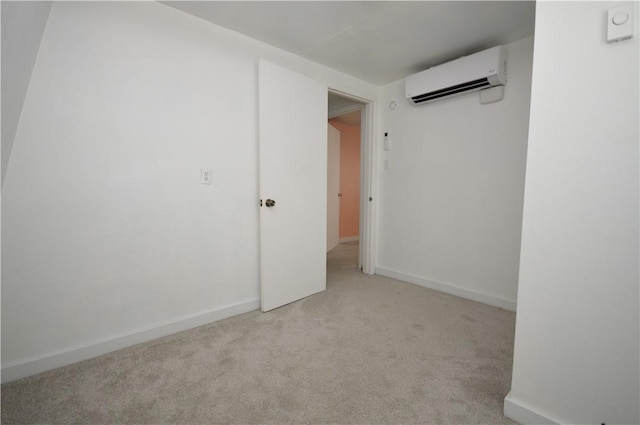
(369, 350)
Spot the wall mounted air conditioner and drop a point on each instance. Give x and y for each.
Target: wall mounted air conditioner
(469, 73)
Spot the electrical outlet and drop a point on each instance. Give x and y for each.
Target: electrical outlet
(205, 175)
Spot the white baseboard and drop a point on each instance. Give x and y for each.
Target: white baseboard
(525, 414)
(71, 355)
(449, 288)
(349, 239)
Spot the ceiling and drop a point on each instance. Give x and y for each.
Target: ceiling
(351, 118)
(376, 41)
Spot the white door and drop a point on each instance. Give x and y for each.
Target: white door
(292, 119)
(333, 187)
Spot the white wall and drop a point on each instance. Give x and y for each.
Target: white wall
(576, 347)
(106, 229)
(22, 27)
(451, 204)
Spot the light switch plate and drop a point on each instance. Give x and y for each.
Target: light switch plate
(620, 23)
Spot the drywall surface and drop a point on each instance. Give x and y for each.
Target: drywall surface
(576, 344)
(107, 230)
(450, 208)
(349, 179)
(22, 26)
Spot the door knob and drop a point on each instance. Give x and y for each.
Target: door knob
(270, 203)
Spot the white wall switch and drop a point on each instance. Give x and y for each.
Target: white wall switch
(386, 143)
(205, 175)
(387, 163)
(620, 23)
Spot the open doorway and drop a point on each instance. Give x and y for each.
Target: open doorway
(344, 186)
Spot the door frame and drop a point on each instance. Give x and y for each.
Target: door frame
(368, 181)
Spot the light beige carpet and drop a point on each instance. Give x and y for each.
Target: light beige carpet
(369, 350)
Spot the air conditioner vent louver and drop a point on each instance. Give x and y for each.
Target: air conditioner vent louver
(469, 73)
(449, 91)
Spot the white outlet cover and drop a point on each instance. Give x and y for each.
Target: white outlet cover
(205, 175)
